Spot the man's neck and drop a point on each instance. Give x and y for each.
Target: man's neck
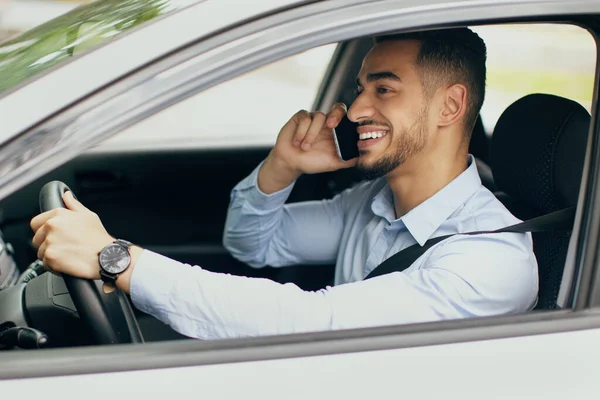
(420, 178)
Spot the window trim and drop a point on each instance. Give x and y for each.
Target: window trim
(175, 354)
(588, 252)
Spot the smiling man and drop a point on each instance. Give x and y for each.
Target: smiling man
(418, 98)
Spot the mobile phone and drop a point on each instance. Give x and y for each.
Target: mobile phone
(345, 136)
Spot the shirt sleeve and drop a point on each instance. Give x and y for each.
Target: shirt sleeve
(473, 276)
(262, 230)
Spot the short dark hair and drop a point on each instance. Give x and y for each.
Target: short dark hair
(450, 56)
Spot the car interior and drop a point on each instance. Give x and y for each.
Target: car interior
(174, 202)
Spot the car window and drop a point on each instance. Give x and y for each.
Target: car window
(73, 33)
(536, 58)
(246, 111)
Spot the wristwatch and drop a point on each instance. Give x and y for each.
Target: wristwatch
(114, 259)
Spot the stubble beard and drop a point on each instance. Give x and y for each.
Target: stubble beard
(411, 142)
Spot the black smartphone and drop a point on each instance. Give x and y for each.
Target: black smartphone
(345, 136)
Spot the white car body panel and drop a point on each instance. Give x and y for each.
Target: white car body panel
(516, 368)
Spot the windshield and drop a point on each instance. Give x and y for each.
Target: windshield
(74, 33)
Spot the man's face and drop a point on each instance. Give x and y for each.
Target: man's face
(391, 109)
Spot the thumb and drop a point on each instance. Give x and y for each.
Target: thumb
(72, 203)
(350, 163)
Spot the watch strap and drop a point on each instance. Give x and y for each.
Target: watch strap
(106, 277)
(123, 243)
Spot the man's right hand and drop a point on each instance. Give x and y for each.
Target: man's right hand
(305, 145)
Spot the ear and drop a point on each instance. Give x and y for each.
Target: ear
(454, 105)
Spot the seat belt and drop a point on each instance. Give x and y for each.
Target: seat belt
(561, 220)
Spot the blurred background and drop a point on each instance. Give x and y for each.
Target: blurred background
(522, 59)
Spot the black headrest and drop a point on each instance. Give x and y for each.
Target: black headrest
(538, 149)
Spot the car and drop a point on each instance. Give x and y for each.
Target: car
(152, 110)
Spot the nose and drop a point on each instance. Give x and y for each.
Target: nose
(361, 108)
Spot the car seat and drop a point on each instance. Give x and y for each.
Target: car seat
(537, 155)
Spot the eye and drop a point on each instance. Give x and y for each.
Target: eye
(382, 90)
(358, 91)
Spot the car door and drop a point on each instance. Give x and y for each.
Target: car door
(497, 357)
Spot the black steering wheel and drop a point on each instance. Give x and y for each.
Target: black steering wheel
(109, 316)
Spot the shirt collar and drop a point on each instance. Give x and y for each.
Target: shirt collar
(423, 220)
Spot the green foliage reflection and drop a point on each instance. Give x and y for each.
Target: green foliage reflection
(73, 33)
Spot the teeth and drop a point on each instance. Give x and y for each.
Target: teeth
(372, 135)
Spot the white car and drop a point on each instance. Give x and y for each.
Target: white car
(152, 110)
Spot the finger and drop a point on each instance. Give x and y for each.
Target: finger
(72, 203)
(338, 111)
(350, 163)
(316, 125)
(41, 251)
(39, 220)
(340, 164)
(291, 125)
(303, 120)
(108, 288)
(40, 237)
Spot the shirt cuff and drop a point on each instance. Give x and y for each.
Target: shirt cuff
(256, 198)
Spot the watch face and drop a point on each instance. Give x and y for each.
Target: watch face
(114, 259)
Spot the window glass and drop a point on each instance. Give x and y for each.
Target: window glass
(246, 111)
(542, 58)
(73, 33)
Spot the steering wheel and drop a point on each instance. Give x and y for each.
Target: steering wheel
(109, 316)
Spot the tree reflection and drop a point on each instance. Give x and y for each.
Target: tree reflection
(71, 34)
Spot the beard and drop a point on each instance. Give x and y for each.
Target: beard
(411, 141)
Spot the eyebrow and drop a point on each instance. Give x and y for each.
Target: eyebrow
(376, 76)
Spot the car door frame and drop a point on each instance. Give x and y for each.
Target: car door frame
(99, 116)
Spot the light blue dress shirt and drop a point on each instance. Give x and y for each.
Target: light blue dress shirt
(463, 276)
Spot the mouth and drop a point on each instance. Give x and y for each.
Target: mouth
(370, 137)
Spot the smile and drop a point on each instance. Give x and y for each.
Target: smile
(372, 135)
(369, 139)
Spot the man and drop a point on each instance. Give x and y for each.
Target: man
(418, 98)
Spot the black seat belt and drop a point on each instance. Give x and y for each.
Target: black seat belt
(561, 220)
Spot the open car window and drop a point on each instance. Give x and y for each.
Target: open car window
(547, 58)
(248, 110)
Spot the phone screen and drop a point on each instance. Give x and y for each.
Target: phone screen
(346, 139)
